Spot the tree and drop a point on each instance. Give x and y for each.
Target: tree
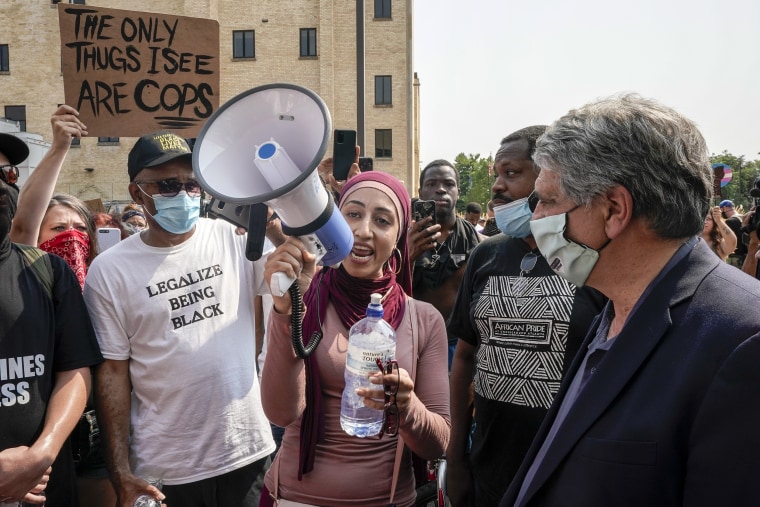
(474, 180)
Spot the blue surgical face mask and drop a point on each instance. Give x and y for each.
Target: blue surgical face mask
(177, 214)
(513, 219)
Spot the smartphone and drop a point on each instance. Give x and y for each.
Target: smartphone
(422, 209)
(365, 163)
(108, 237)
(344, 153)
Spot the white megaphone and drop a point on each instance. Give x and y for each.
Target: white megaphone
(263, 146)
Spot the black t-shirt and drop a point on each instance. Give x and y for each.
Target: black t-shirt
(735, 224)
(39, 337)
(490, 228)
(527, 331)
(434, 267)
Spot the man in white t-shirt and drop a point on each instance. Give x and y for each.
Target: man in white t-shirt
(178, 395)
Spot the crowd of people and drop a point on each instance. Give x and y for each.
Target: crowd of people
(590, 341)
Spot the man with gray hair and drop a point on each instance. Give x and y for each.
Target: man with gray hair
(659, 408)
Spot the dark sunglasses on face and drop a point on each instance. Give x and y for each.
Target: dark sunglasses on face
(170, 188)
(9, 173)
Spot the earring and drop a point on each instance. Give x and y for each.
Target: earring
(395, 252)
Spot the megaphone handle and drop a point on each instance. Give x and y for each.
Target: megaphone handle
(280, 282)
(257, 226)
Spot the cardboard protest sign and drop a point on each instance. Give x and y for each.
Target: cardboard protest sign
(129, 73)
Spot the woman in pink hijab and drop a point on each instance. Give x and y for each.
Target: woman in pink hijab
(319, 464)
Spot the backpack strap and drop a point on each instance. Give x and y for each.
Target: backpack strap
(41, 266)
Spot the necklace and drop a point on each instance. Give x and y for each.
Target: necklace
(436, 256)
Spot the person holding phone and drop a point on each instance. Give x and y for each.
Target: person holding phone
(440, 245)
(327, 174)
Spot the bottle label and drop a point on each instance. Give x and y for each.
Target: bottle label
(361, 361)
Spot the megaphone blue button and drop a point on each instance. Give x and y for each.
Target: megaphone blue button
(267, 150)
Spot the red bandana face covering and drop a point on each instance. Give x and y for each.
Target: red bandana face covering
(74, 247)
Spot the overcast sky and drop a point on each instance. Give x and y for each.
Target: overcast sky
(490, 67)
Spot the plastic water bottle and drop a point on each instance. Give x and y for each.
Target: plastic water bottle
(368, 339)
(147, 500)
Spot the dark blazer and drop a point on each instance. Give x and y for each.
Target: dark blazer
(672, 415)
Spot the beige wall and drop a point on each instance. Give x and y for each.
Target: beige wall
(35, 78)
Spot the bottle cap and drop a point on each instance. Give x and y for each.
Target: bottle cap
(375, 307)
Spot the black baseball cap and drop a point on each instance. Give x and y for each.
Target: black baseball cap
(13, 148)
(156, 149)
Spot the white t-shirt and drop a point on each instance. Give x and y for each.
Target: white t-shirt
(183, 316)
(266, 302)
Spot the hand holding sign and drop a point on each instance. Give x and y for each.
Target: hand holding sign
(133, 72)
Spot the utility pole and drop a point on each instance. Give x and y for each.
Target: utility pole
(360, 85)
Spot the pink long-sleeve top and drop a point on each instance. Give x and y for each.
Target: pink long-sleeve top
(351, 471)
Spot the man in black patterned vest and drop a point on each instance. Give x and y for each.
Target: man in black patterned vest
(519, 325)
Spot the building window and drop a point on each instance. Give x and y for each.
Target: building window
(243, 44)
(383, 95)
(382, 9)
(108, 140)
(383, 143)
(308, 42)
(78, 2)
(17, 113)
(4, 67)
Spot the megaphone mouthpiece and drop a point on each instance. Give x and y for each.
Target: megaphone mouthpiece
(275, 165)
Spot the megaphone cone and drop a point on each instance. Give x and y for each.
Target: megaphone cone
(263, 146)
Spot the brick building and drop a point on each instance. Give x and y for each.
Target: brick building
(312, 43)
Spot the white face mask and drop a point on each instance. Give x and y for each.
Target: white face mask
(570, 260)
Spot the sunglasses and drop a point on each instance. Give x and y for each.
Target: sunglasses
(391, 420)
(9, 173)
(522, 282)
(527, 263)
(170, 188)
